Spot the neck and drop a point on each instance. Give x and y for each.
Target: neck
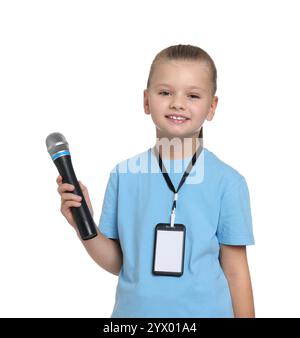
(176, 148)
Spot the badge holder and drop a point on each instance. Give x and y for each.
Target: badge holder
(169, 245)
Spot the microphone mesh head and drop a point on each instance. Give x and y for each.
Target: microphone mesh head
(56, 142)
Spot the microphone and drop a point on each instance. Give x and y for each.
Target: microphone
(58, 148)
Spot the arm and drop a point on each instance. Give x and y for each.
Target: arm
(233, 260)
(105, 252)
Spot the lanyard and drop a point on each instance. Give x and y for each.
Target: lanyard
(185, 175)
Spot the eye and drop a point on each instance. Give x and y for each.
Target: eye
(193, 96)
(164, 93)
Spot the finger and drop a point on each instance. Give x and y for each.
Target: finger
(82, 186)
(70, 197)
(59, 180)
(65, 187)
(68, 204)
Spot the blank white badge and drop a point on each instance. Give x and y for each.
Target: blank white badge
(169, 251)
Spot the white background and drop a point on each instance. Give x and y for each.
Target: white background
(80, 67)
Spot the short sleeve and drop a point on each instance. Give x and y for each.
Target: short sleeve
(108, 219)
(235, 220)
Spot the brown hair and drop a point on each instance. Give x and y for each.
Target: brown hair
(186, 52)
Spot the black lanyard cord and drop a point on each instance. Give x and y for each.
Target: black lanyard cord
(187, 171)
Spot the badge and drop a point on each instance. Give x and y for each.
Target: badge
(168, 255)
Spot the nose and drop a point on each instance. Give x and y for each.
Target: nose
(177, 102)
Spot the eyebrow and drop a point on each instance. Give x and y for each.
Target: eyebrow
(168, 85)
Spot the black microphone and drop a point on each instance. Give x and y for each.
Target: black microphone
(58, 148)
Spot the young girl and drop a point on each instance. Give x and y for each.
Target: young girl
(175, 219)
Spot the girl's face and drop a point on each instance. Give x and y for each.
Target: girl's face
(180, 88)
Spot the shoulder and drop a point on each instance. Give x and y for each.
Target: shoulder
(221, 171)
(132, 164)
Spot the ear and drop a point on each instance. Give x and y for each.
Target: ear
(146, 102)
(212, 108)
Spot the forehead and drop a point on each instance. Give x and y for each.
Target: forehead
(181, 72)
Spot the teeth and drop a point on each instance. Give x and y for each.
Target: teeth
(177, 118)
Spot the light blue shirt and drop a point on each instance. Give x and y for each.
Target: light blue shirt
(214, 206)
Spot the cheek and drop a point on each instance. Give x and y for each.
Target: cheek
(202, 107)
(157, 104)
(158, 100)
(199, 111)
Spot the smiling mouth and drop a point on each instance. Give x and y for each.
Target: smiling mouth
(177, 119)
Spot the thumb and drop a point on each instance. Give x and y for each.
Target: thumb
(84, 190)
(82, 186)
(86, 196)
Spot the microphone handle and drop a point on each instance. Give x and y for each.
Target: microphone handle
(82, 215)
